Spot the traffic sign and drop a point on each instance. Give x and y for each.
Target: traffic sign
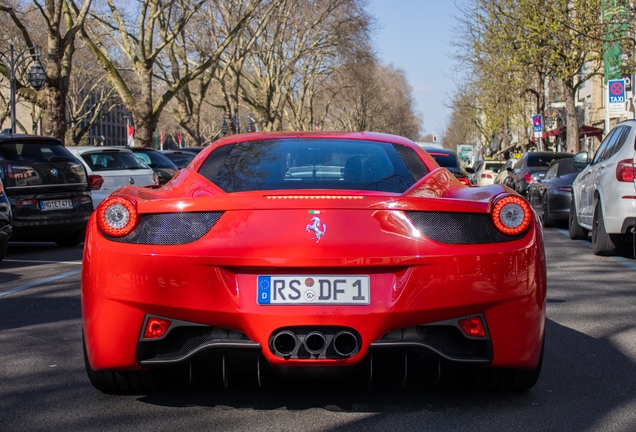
(538, 126)
(616, 95)
(628, 81)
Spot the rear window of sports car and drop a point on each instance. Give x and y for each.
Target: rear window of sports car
(313, 164)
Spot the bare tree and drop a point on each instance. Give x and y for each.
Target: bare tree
(374, 97)
(300, 42)
(142, 38)
(62, 25)
(90, 98)
(213, 28)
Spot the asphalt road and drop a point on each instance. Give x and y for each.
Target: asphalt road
(588, 381)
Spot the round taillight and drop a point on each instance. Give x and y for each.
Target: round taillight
(512, 215)
(117, 216)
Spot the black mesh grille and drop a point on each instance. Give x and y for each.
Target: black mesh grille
(445, 339)
(215, 160)
(183, 340)
(413, 161)
(170, 228)
(459, 228)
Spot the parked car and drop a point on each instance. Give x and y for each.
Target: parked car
(373, 252)
(551, 196)
(504, 172)
(529, 163)
(603, 194)
(485, 172)
(449, 160)
(6, 221)
(47, 187)
(181, 158)
(196, 150)
(110, 168)
(164, 167)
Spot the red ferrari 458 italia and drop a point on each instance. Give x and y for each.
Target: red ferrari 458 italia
(313, 254)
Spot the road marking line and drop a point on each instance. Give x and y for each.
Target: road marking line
(588, 244)
(42, 262)
(41, 282)
(625, 262)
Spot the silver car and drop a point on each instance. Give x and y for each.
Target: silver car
(603, 198)
(110, 168)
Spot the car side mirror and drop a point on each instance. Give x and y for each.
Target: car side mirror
(152, 165)
(536, 177)
(470, 170)
(582, 157)
(509, 169)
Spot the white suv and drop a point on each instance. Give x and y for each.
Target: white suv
(603, 198)
(110, 168)
(486, 171)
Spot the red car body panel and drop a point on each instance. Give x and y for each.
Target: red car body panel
(414, 280)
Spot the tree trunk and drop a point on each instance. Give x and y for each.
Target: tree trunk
(56, 91)
(189, 121)
(541, 107)
(142, 112)
(55, 122)
(572, 124)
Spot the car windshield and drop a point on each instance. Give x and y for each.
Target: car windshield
(155, 159)
(311, 164)
(444, 160)
(34, 152)
(36, 162)
(568, 166)
(114, 161)
(495, 167)
(544, 161)
(181, 160)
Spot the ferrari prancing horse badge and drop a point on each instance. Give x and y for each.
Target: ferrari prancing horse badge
(315, 227)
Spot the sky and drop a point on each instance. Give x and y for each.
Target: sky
(416, 36)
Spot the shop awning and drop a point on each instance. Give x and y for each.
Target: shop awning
(584, 131)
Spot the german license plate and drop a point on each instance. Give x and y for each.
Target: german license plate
(56, 205)
(307, 290)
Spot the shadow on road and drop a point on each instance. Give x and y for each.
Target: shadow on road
(588, 380)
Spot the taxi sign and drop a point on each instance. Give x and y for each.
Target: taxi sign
(538, 126)
(616, 95)
(516, 155)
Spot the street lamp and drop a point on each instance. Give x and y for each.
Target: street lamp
(36, 75)
(224, 127)
(250, 127)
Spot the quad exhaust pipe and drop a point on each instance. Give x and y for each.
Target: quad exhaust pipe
(315, 342)
(345, 343)
(301, 342)
(285, 342)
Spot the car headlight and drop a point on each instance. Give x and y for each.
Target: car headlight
(117, 216)
(511, 215)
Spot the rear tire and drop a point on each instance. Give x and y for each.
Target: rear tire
(577, 232)
(4, 244)
(69, 239)
(548, 222)
(122, 382)
(603, 244)
(494, 379)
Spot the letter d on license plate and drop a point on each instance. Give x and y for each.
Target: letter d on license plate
(306, 290)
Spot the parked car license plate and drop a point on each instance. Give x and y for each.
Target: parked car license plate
(56, 205)
(306, 290)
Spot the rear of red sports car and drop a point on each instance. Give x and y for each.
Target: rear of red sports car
(313, 253)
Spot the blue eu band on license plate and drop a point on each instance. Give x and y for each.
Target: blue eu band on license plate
(308, 290)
